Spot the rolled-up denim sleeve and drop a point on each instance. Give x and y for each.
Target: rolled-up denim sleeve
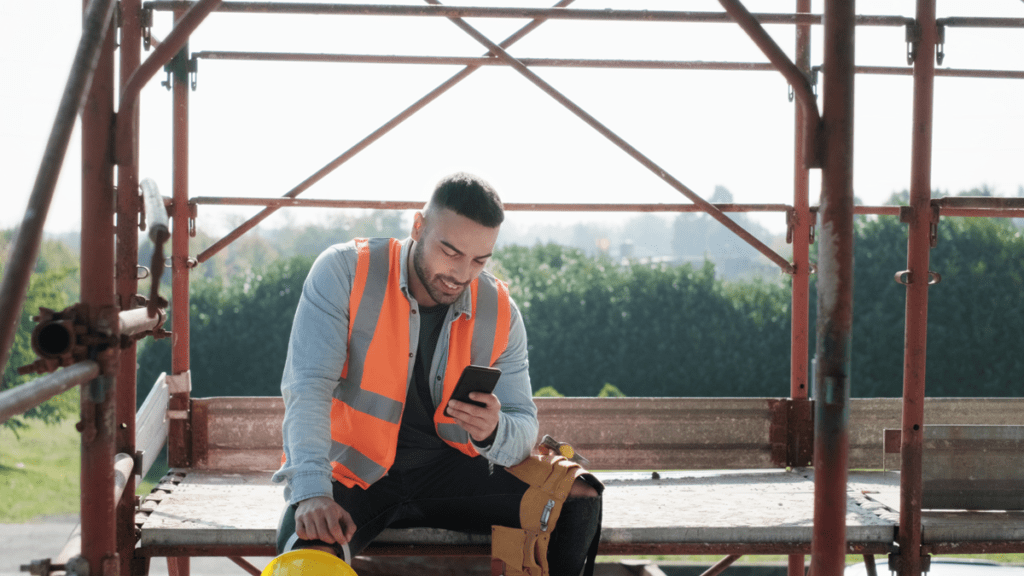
(517, 424)
(317, 350)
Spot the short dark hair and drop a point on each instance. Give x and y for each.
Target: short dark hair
(470, 196)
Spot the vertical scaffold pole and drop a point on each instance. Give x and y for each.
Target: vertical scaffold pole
(179, 261)
(835, 293)
(800, 225)
(180, 432)
(127, 282)
(916, 331)
(98, 404)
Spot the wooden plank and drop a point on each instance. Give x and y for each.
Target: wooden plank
(151, 424)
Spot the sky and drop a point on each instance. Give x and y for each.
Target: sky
(258, 129)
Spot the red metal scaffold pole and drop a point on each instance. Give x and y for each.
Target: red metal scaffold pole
(916, 331)
(128, 285)
(800, 224)
(99, 545)
(835, 295)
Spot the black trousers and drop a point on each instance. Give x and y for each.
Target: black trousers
(456, 493)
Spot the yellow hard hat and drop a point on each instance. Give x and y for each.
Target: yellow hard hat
(308, 563)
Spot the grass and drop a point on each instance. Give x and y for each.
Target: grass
(39, 472)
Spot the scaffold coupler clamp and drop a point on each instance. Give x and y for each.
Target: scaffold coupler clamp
(76, 566)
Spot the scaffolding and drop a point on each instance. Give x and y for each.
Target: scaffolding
(113, 317)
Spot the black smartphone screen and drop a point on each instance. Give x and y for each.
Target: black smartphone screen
(474, 379)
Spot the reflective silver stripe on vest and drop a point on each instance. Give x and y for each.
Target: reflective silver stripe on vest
(486, 320)
(367, 470)
(364, 326)
(452, 433)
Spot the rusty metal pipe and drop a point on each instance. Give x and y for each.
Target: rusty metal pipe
(983, 212)
(362, 144)
(127, 120)
(801, 238)
(546, 13)
(511, 206)
(123, 466)
(916, 323)
(571, 207)
(245, 565)
(97, 265)
(980, 22)
(159, 232)
(138, 320)
(946, 72)
(721, 565)
(982, 202)
(96, 22)
(835, 295)
(126, 274)
(798, 79)
(31, 394)
(625, 146)
(577, 63)
(481, 61)
(179, 435)
(156, 214)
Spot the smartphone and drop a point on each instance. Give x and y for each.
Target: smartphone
(474, 379)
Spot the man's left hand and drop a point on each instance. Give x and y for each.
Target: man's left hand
(479, 421)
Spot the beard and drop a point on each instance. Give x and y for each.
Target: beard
(433, 284)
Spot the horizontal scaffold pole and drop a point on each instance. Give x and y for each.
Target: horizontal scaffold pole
(31, 394)
(505, 12)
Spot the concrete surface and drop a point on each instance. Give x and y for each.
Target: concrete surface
(45, 537)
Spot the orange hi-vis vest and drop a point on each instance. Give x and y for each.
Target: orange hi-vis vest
(366, 411)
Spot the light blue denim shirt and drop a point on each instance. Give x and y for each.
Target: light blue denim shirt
(316, 354)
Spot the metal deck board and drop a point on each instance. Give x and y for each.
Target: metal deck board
(941, 526)
(210, 508)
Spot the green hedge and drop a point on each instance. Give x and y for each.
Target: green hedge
(657, 330)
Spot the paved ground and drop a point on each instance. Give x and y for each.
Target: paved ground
(44, 538)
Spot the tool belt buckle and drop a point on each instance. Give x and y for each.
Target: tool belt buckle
(563, 448)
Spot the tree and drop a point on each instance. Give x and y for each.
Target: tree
(974, 313)
(54, 284)
(46, 289)
(652, 330)
(239, 332)
(697, 236)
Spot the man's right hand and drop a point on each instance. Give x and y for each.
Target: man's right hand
(321, 518)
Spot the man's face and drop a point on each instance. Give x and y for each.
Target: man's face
(450, 252)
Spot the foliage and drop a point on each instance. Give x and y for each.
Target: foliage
(654, 330)
(610, 391)
(696, 237)
(52, 285)
(548, 392)
(974, 313)
(238, 332)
